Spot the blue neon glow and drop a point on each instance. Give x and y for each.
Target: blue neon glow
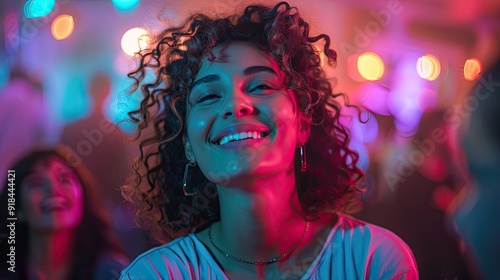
(4, 71)
(125, 5)
(38, 8)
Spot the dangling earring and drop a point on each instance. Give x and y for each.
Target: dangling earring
(303, 161)
(184, 184)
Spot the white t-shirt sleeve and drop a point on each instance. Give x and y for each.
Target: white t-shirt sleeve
(389, 257)
(182, 258)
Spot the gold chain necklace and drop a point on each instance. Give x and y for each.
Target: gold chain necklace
(273, 260)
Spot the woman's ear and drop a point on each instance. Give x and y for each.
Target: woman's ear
(303, 128)
(188, 149)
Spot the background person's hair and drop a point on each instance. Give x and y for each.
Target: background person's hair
(328, 185)
(94, 235)
(34, 82)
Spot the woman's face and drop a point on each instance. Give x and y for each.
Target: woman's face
(242, 122)
(52, 197)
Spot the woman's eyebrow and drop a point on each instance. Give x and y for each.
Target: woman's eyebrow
(206, 79)
(247, 72)
(256, 69)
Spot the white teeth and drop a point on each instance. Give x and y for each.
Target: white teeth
(240, 136)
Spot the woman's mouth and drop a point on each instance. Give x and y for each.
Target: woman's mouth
(239, 136)
(54, 203)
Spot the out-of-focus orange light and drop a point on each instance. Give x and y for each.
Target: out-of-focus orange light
(428, 67)
(62, 27)
(472, 69)
(370, 66)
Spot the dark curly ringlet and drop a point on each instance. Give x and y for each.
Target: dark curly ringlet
(328, 185)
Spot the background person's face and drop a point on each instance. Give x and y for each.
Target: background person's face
(242, 122)
(52, 197)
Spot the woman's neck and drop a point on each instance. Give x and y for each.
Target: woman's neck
(261, 223)
(50, 255)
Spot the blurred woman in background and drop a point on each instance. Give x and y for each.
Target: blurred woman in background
(61, 231)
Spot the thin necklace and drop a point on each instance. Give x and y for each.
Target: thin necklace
(273, 260)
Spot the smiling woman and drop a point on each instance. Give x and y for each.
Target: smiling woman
(237, 104)
(244, 120)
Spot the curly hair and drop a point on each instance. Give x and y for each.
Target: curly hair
(175, 58)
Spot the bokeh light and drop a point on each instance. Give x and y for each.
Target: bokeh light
(124, 64)
(370, 66)
(404, 99)
(427, 100)
(134, 40)
(472, 69)
(62, 27)
(374, 97)
(125, 5)
(38, 8)
(428, 67)
(4, 71)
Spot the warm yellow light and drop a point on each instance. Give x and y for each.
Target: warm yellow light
(472, 69)
(370, 66)
(134, 40)
(428, 67)
(62, 27)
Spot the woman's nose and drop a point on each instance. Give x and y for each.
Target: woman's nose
(52, 185)
(238, 105)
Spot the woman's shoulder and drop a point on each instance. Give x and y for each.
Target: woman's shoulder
(381, 250)
(169, 259)
(351, 226)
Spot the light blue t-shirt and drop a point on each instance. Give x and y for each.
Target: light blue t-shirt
(353, 250)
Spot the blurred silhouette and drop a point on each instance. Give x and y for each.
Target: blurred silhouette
(416, 181)
(25, 121)
(98, 144)
(477, 216)
(61, 231)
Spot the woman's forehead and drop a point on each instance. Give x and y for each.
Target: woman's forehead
(238, 56)
(53, 163)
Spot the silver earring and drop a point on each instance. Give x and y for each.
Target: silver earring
(303, 161)
(184, 184)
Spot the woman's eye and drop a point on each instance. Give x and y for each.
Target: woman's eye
(206, 97)
(261, 87)
(35, 183)
(66, 178)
